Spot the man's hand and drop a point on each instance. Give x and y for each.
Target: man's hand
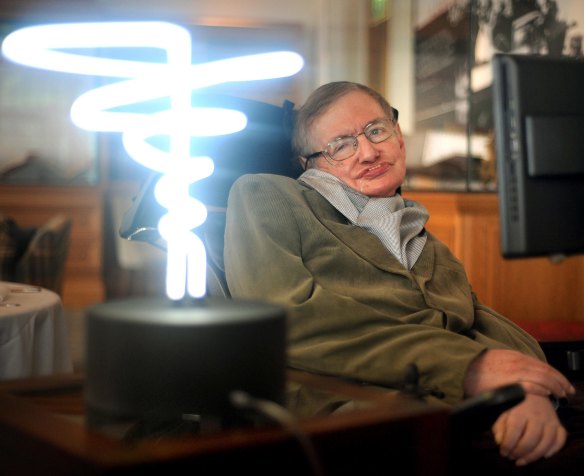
(529, 431)
(497, 367)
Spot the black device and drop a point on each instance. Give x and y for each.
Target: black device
(479, 413)
(538, 105)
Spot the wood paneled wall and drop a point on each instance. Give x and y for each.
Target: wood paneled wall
(521, 289)
(533, 289)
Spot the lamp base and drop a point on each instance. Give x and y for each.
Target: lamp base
(154, 360)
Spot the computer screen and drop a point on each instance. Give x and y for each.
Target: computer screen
(538, 105)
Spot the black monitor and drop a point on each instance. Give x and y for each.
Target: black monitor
(539, 128)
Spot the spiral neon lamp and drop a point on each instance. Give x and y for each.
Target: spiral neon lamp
(158, 359)
(54, 47)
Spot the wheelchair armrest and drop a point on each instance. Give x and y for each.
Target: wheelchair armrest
(477, 414)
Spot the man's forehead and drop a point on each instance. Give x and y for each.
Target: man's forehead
(352, 129)
(347, 115)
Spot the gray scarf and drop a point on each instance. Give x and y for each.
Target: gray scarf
(398, 223)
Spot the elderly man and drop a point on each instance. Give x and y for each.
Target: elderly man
(368, 290)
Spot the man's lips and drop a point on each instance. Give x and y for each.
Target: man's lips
(373, 171)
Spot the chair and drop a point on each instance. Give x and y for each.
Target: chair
(14, 240)
(212, 234)
(140, 224)
(43, 262)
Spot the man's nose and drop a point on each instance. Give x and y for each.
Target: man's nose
(366, 150)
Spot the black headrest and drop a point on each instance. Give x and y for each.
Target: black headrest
(264, 146)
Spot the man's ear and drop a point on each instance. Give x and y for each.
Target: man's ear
(303, 162)
(400, 137)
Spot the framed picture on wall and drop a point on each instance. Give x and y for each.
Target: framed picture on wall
(454, 44)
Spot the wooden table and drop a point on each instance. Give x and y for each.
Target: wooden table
(43, 431)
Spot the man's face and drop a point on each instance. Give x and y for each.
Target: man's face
(376, 170)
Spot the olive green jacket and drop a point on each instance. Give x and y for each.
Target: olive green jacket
(353, 309)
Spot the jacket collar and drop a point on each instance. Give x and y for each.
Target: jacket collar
(363, 243)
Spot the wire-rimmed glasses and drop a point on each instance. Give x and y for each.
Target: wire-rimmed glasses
(343, 148)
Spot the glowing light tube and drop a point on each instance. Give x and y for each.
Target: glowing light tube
(45, 47)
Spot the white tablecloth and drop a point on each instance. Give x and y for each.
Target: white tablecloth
(33, 333)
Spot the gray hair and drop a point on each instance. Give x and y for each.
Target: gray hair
(319, 102)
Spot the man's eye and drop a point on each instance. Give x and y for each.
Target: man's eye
(377, 130)
(340, 145)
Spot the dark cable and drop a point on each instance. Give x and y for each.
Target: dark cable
(284, 418)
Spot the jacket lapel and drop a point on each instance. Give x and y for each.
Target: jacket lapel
(362, 242)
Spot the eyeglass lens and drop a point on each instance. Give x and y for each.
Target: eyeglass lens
(344, 147)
